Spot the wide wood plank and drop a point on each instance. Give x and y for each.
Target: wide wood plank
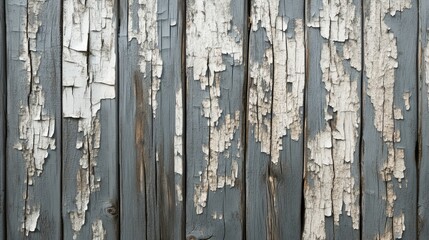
(389, 187)
(34, 119)
(151, 119)
(423, 148)
(215, 117)
(2, 122)
(274, 151)
(90, 120)
(332, 178)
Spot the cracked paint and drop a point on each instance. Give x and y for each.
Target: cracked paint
(382, 53)
(36, 125)
(210, 37)
(98, 232)
(143, 27)
(89, 70)
(269, 91)
(330, 186)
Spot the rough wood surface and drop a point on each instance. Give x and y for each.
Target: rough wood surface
(151, 119)
(389, 186)
(215, 117)
(34, 119)
(90, 120)
(276, 79)
(2, 121)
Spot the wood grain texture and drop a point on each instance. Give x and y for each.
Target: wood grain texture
(274, 156)
(332, 178)
(34, 120)
(389, 191)
(215, 114)
(151, 119)
(90, 186)
(3, 79)
(423, 105)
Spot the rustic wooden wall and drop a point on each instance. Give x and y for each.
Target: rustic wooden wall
(227, 119)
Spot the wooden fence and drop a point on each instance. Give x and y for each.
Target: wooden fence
(214, 119)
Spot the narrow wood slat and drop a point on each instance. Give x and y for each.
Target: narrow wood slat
(389, 192)
(215, 117)
(2, 121)
(34, 119)
(90, 184)
(423, 148)
(332, 177)
(274, 156)
(151, 119)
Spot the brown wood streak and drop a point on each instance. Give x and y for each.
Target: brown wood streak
(139, 132)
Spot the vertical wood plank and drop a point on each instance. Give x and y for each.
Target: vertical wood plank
(215, 63)
(423, 150)
(34, 120)
(151, 119)
(389, 187)
(90, 126)
(274, 157)
(332, 173)
(2, 121)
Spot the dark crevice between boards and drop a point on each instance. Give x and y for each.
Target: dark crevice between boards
(183, 74)
(246, 46)
(304, 117)
(418, 147)
(61, 120)
(115, 210)
(362, 100)
(3, 60)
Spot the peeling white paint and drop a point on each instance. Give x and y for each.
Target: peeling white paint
(31, 216)
(426, 61)
(275, 99)
(210, 37)
(178, 139)
(330, 186)
(89, 70)
(98, 232)
(143, 26)
(398, 226)
(36, 124)
(381, 53)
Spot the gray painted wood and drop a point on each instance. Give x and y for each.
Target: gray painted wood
(96, 166)
(273, 190)
(332, 108)
(25, 92)
(2, 122)
(151, 206)
(377, 219)
(423, 105)
(214, 144)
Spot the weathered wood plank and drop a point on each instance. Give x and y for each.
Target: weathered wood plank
(2, 121)
(151, 119)
(423, 148)
(215, 38)
(389, 186)
(274, 157)
(34, 119)
(332, 177)
(90, 126)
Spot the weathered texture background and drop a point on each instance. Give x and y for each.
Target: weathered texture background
(202, 119)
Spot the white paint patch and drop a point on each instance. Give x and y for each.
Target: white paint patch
(210, 37)
(143, 26)
(330, 186)
(31, 216)
(426, 59)
(381, 55)
(398, 226)
(178, 139)
(98, 232)
(89, 70)
(275, 98)
(36, 125)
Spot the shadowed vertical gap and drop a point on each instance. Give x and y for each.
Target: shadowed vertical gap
(118, 120)
(182, 9)
(246, 46)
(362, 101)
(304, 118)
(417, 153)
(61, 118)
